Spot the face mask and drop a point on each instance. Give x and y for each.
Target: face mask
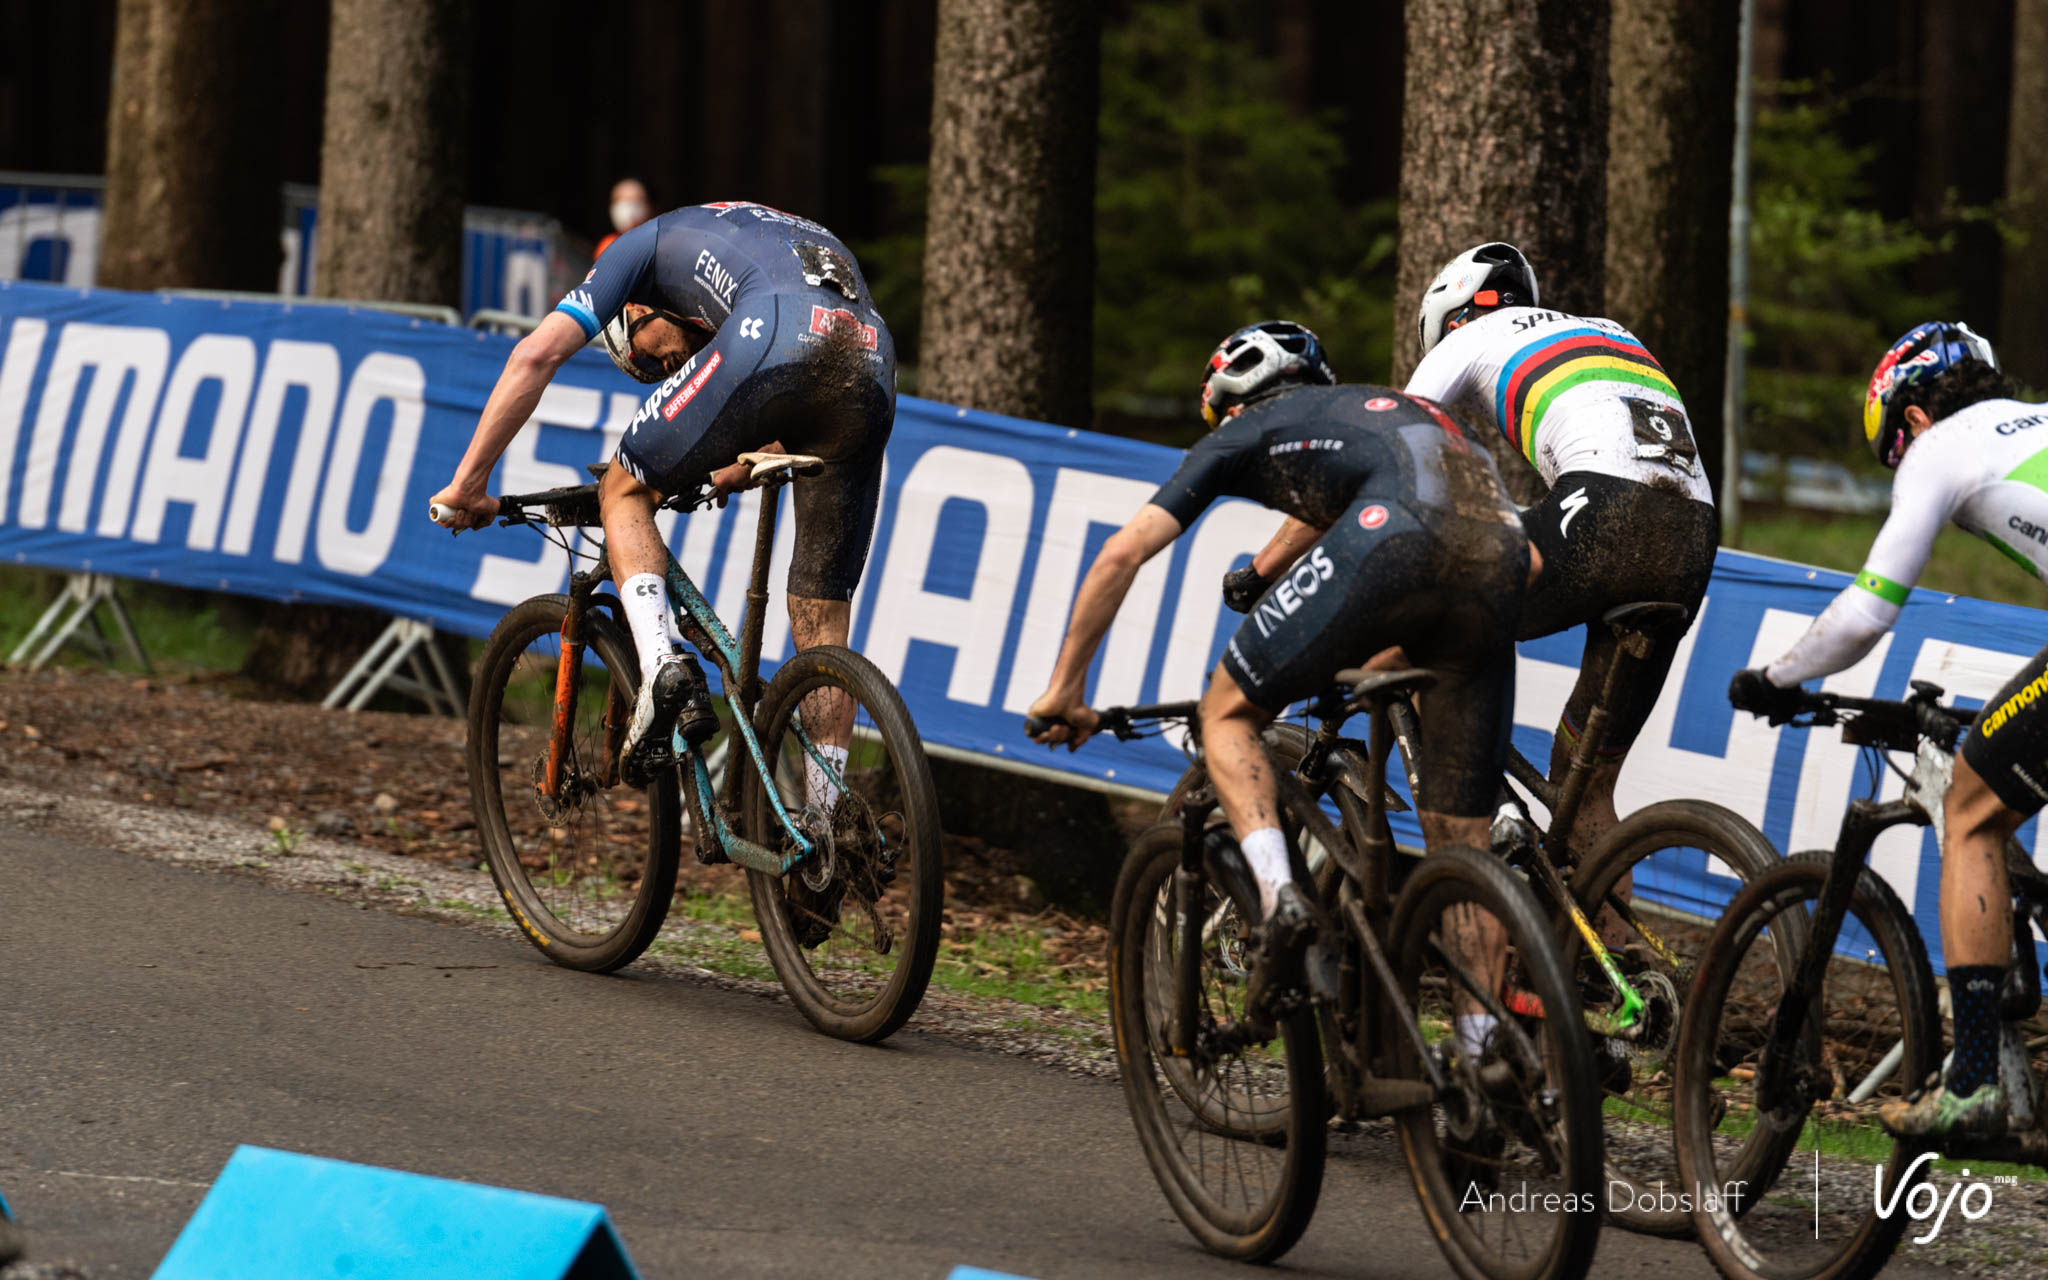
(627, 214)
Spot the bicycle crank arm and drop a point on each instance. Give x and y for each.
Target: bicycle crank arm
(1378, 1096)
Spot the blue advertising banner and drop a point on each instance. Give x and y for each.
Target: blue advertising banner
(288, 452)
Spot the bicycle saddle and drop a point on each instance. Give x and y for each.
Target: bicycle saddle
(763, 464)
(1384, 686)
(1647, 617)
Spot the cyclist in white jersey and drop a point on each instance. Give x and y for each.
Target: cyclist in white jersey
(1940, 412)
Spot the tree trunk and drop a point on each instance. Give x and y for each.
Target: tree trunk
(2023, 334)
(1671, 139)
(392, 156)
(1503, 137)
(193, 161)
(1009, 249)
(1966, 57)
(390, 229)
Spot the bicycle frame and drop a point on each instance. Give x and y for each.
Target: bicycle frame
(738, 663)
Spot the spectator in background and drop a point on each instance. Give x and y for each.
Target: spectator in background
(629, 209)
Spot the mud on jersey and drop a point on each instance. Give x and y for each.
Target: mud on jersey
(700, 261)
(1310, 451)
(1571, 393)
(1985, 468)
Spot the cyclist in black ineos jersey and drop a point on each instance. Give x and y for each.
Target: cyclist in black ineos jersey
(762, 334)
(1422, 549)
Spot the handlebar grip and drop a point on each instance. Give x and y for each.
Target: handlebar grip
(1035, 725)
(436, 512)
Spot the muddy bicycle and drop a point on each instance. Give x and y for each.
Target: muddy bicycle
(848, 901)
(1633, 958)
(1786, 1053)
(1232, 1106)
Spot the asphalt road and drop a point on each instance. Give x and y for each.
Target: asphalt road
(152, 1018)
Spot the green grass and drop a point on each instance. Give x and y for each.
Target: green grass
(1868, 1144)
(180, 630)
(1961, 564)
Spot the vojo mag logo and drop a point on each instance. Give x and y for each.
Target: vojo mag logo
(1924, 1201)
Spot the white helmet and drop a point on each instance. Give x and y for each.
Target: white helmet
(1255, 359)
(618, 344)
(1494, 269)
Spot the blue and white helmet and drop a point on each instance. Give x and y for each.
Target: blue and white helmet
(1255, 359)
(1492, 275)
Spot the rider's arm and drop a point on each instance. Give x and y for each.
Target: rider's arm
(1102, 592)
(1857, 618)
(1290, 541)
(1445, 373)
(528, 371)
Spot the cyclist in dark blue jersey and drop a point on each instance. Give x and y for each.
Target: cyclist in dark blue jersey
(762, 333)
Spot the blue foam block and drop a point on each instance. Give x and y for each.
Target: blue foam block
(976, 1273)
(5, 1212)
(273, 1213)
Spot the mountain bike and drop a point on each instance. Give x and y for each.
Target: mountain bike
(1785, 1052)
(1232, 1105)
(1633, 982)
(848, 901)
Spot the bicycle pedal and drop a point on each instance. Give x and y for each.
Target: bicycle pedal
(640, 769)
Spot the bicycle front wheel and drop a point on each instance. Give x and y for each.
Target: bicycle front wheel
(853, 929)
(1507, 1160)
(1235, 1129)
(1652, 887)
(586, 865)
(1872, 1035)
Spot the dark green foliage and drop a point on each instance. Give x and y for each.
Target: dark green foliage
(1831, 281)
(1216, 205)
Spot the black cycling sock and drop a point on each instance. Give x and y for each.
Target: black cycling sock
(1973, 991)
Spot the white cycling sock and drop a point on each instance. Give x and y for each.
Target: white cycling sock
(1473, 1029)
(1266, 851)
(645, 596)
(819, 788)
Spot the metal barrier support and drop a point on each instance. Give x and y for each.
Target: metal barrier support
(430, 682)
(421, 310)
(77, 606)
(493, 320)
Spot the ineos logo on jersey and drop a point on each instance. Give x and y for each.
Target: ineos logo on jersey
(713, 276)
(1301, 582)
(1380, 404)
(1372, 517)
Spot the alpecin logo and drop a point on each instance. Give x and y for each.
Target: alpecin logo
(1924, 1202)
(826, 321)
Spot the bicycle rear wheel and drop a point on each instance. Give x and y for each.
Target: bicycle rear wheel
(1742, 1114)
(1507, 1161)
(1658, 879)
(1235, 1131)
(587, 873)
(852, 930)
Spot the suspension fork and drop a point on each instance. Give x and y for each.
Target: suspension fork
(1861, 826)
(568, 685)
(1188, 882)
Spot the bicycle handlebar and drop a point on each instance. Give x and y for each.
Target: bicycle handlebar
(1123, 723)
(1893, 724)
